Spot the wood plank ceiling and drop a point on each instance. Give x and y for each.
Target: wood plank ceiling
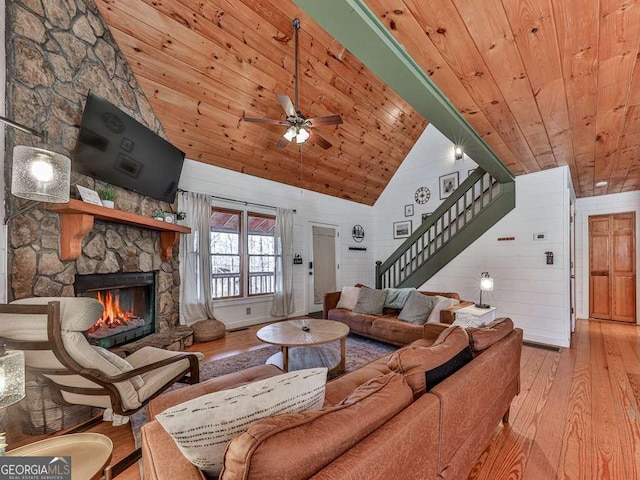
(203, 65)
(544, 83)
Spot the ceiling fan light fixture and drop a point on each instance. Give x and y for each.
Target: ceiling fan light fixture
(302, 136)
(290, 133)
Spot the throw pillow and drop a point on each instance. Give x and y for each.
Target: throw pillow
(414, 360)
(348, 297)
(121, 364)
(203, 427)
(397, 297)
(436, 375)
(418, 308)
(370, 301)
(443, 302)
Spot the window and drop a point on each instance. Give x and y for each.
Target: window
(241, 264)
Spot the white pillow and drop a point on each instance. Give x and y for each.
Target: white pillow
(444, 302)
(348, 297)
(466, 321)
(121, 364)
(203, 427)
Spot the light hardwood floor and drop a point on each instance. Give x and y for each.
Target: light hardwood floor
(576, 417)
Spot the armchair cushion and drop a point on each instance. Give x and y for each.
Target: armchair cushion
(120, 363)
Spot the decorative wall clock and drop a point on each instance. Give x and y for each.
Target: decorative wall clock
(422, 195)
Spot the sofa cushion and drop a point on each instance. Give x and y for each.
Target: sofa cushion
(443, 302)
(418, 308)
(300, 445)
(370, 301)
(357, 322)
(340, 388)
(203, 427)
(120, 363)
(393, 330)
(397, 297)
(482, 338)
(415, 359)
(348, 297)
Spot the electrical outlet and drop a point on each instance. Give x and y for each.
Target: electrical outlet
(248, 310)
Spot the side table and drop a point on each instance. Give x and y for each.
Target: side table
(482, 315)
(90, 453)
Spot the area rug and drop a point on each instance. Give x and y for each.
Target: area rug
(360, 351)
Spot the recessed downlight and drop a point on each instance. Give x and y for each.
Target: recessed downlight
(602, 184)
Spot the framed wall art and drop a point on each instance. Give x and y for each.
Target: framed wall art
(408, 210)
(402, 229)
(448, 183)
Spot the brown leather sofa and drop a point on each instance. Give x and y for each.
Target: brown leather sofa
(387, 327)
(390, 434)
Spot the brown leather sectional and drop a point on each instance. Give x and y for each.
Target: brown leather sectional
(385, 431)
(386, 327)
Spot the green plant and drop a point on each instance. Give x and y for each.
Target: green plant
(107, 194)
(157, 214)
(181, 215)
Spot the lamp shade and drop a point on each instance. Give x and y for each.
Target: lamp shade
(40, 175)
(11, 377)
(486, 284)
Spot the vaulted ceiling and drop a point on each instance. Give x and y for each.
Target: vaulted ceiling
(544, 83)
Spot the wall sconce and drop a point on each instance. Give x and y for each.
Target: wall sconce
(486, 285)
(39, 175)
(11, 383)
(458, 152)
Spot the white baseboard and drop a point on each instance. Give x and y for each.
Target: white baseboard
(249, 322)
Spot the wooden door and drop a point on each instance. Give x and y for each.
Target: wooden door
(612, 275)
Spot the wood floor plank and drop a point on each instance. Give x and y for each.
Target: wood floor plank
(544, 457)
(624, 401)
(575, 457)
(607, 460)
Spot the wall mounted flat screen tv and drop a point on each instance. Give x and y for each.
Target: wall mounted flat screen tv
(115, 148)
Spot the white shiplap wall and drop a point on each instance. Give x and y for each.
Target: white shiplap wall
(616, 203)
(533, 294)
(430, 157)
(355, 266)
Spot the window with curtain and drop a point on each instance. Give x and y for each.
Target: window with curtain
(242, 253)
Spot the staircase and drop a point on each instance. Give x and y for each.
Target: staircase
(474, 207)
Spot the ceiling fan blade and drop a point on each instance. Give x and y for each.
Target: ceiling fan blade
(325, 120)
(264, 120)
(315, 138)
(285, 101)
(282, 142)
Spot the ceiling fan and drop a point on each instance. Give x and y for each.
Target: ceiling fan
(299, 126)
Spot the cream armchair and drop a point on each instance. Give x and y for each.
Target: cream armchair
(51, 333)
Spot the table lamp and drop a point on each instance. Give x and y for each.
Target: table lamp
(11, 383)
(486, 285)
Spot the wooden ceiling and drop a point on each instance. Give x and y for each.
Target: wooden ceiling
(203, 65)
(544, 83)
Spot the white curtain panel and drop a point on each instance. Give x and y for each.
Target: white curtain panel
(283, 303)
(196, 302)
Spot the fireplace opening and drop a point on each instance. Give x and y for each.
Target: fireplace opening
(129, 306)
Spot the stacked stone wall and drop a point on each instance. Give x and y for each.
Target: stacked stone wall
(59, 50)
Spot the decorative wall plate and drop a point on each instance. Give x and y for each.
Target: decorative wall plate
(422, 195)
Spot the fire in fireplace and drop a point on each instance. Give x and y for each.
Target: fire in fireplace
(128, 300)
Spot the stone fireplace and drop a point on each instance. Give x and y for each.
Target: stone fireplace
(129, 306)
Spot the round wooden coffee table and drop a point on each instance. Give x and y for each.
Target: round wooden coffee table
(307, 333)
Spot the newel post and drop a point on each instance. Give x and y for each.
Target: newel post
(378, 276)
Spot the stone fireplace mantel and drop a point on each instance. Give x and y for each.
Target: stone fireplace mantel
(77, 217)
